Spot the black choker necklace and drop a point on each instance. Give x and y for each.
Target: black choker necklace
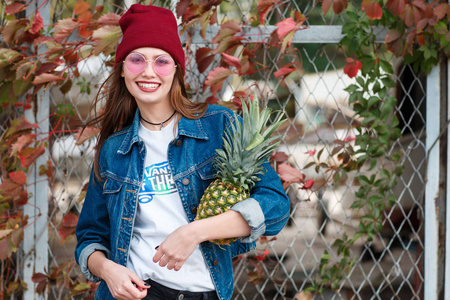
(161, 123)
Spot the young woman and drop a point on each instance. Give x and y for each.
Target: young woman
(155, 157)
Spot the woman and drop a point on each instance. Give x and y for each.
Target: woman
(155, 152)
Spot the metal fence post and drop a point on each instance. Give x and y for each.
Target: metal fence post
(35, 244)
(447, 232)
(432, 185)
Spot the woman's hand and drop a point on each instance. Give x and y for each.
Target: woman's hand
(123, 283)
(177, 247)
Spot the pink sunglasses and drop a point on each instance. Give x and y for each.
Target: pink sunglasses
(163, 65)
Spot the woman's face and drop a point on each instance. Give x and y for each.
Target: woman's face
(147, 86)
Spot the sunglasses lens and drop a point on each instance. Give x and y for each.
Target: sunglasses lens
(135, 63)
(164, 65)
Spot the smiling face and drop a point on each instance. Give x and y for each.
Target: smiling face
(148, 87)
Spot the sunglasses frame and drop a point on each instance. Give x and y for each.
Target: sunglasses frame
(146, 61)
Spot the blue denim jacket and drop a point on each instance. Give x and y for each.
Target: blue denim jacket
(107, 218)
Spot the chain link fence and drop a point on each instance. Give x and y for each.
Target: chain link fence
(390, 267)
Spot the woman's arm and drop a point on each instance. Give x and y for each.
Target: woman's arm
(181, 243)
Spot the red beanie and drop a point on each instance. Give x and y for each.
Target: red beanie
(150, 26)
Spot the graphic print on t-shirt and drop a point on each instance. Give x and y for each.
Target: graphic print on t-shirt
(157, 181)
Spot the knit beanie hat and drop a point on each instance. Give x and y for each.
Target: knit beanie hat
(150, 26)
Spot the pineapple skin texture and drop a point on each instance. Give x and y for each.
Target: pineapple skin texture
(218, 198)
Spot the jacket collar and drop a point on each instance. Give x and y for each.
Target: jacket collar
(186, 127)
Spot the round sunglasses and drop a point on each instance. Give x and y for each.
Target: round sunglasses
(163, 65)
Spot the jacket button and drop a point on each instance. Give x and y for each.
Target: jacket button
(178, 143)
(185, 181)
(215, 262)
(194, 210)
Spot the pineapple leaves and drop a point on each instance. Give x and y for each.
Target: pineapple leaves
(247, 144)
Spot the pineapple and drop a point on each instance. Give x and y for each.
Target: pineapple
(246, 146)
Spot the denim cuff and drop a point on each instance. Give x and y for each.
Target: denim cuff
(87, 251)
(253, 214)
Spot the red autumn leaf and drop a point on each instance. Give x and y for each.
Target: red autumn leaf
(83, 135)
(290, 174)
(226, 38)
(45, 78)
(397, 6)
(46, 169)
(181, 7)
(37, 23)
(81, 7)
(64, 28)
(15, 8)
(39, 277)
(70, 220)
(264, 8)
(22, 142)
(29, 155)
(21, 124)
(9, 188)
(13, 30)
(109, 19)
(339, 6)
(441, 10)
(408, 16)
(227, 30)
(286, 26)
(372, 9)
(299, 17)
(285, 71)
(232, 61)
(280, 157)
(218, 75)
(23, 198)
(394, 42)
(349, 138)
(311, 152)
(10, 243)
(18, 177)
(260, 258)
(203, 58)
(308, 184)
(211, 100)
(106, 39)
(216, 78)
(326, 4)
(352, 67)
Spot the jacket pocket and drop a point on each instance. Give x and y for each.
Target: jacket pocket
(206, 170)
(112, 190)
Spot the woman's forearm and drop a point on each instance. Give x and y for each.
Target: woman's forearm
(230, 224)
(97, 262)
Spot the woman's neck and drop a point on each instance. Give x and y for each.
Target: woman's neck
(156, 117)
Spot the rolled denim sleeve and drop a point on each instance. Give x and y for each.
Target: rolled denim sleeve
(253, 214)
(83, 258)
(267, 209)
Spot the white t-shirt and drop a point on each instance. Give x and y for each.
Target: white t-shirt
(159, 213)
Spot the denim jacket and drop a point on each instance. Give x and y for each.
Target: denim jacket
(107, 218)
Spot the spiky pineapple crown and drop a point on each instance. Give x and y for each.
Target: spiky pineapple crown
(247, 145)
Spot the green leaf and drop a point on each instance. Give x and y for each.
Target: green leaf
(386, 66)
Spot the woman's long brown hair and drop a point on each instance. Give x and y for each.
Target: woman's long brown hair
(120, 107)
